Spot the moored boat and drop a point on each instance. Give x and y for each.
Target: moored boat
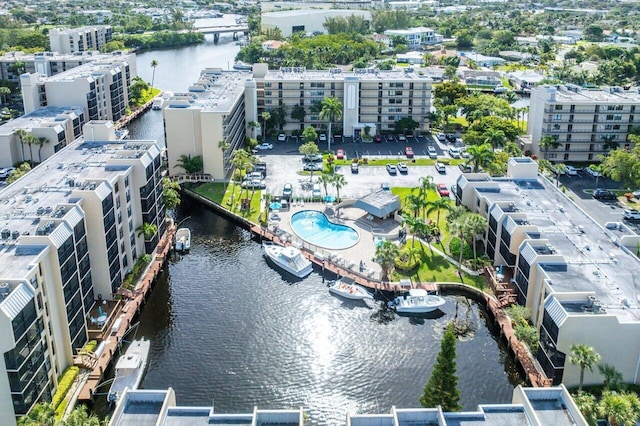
(129, 369)
(418, 301)
(183, 240)
(242, 66)
(347, 288)
(288, 258)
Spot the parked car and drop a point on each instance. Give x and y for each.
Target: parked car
(322, 137)
(631, 214)
(402, 138)
(354, 167)
(4, 173)
(313, 166)
(465, 168)
(433, 153)
(636, 194)
(377, 139)
(572, 171)
(385, 186)
(408, 151)
(464, 153)
(451, 138)
(604, 194)
(402, 168)
(441, 137)
(287, 191)
(443, 190)
(440, 168)
(390, 137)
(340, 154)
(391, 169)
(315, 191)
(264, 145)
(282, 137)
(262, 168)
(454, 152)
(313, 158)
(591, 172)
(253, 184)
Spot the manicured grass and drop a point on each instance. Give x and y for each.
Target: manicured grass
(445, 236)
(505, 82)
(231, 198)
(435, 268)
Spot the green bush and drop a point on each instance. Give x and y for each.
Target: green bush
(519, 314)
(454, 249)
(527, 335)
(64, 384)
(405, 264)
(90, 347)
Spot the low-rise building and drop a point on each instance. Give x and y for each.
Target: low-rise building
(585, 123)
(481, 60)
(481, 78)
(416, 37)
(59, 126)
(577, 277)
(525, 80)
(100, 87)
(71, 40)
(67, 239)
(306, 20)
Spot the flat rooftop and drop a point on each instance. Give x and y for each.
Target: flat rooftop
(585, 96)
(595, 259)
(216, 91)
(300, 74)
(37, 118)
(88, 69)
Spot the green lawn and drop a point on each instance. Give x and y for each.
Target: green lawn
(230, 199)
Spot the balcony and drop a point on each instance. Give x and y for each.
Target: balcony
(501, 282)
(102, 317)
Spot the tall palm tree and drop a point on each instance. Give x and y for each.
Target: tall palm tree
(426, 185)
(476, 225)
(266, 116)
(30, 140)
(21, 134)
(416, 203)
(460, 228)
(154, 64)
(437, 206)
(332, 111)
(253, 125)
(224, 146)
(495, 137)
(325, 181)
(41, 142)
(339, 182)
(480, 156)
(584, 357)
(386, 253)
(415, 225)
(547, 143)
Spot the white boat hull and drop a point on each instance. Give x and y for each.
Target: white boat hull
(129, 369)
(183, 240)
(349, 290)
(289, 259)
(417, 305)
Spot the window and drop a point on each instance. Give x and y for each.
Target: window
(617, 117)
(558, 107)
(557, 117)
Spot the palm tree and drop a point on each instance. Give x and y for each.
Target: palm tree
(386, 253)
(21, 134)
(224, 146)
(416, 203)
(41, 142)
(30, 140)
(585, 357)
(476, 225)
(338, 181)
(438, 205)
(4, 92)
(170, 193)
(266, 116)
(42, 414)
(480, 156)
(253, 125)
(547, 143)
(459, 227)
(154, 64)
(325, 180)
(331, 110)
(426, 184)
(190, 164)
(612, 377)
(80, 417)
(415, 225)
(620, 408)
(495, 137)
(147, 229)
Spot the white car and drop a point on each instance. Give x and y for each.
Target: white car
(402, 168)
(454, 152)
(572, 171)
(264, 145)
(401, 138)
(591, 172)
(631, 214)
(433, 154)
(322, 137)
(282, 137)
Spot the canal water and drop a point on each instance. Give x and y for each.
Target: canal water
(228, 329)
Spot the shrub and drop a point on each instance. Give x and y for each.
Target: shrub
(90, 347)
(527, 335)
(405, 263)
(454, 249)
(64, 384)
(519, 314)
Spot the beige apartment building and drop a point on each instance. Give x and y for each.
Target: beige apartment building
(71, 40)
(586, 123)
(59, 126)
(100, 87)
(578, 278)
(67, 240)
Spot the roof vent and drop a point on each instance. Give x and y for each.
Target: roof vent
(15, 235)
(4, 290)
(5, 234)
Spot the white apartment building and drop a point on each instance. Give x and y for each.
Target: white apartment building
(586, 123)
(305, 20)
(417, 36)
(67, 239)
(216, 108)
(59, 126)
(372, 98)
(71, 40)
(579, 279)
(100, 87)
(529, 407)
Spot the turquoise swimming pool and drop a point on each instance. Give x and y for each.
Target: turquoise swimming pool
(315, 228)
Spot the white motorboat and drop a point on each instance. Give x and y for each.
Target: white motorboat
(288, 258)
(242, 66)
(129, 369)
(347, 288)
(418, 301)
(183, 240)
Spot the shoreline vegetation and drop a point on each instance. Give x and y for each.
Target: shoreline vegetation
(159, 40)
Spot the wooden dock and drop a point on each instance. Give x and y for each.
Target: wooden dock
(123, 314)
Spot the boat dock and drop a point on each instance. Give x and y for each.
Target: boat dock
(121, 314)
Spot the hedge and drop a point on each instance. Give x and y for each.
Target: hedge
(64, 384)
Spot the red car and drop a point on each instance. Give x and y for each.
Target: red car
(340, 154)
(443, 190)
(408, 151)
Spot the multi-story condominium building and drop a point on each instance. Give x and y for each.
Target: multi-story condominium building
(216, 108)
(71, 40)
(371, 98)
(50, 63)
(579, 279)
(417, 37)
(222, 104)
(529, 407)
(101, 88)
(68, 238)
(586, 123)
(59, 126)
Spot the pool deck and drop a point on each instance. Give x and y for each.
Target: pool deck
(345, 262)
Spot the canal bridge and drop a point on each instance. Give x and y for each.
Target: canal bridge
(216, 30)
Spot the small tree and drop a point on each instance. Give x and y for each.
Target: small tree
(170, 193)
(309, 134)
(41, 142)
(147, 230)
(442, 387)
(308, 148)
(386, 253)
(584, 357)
